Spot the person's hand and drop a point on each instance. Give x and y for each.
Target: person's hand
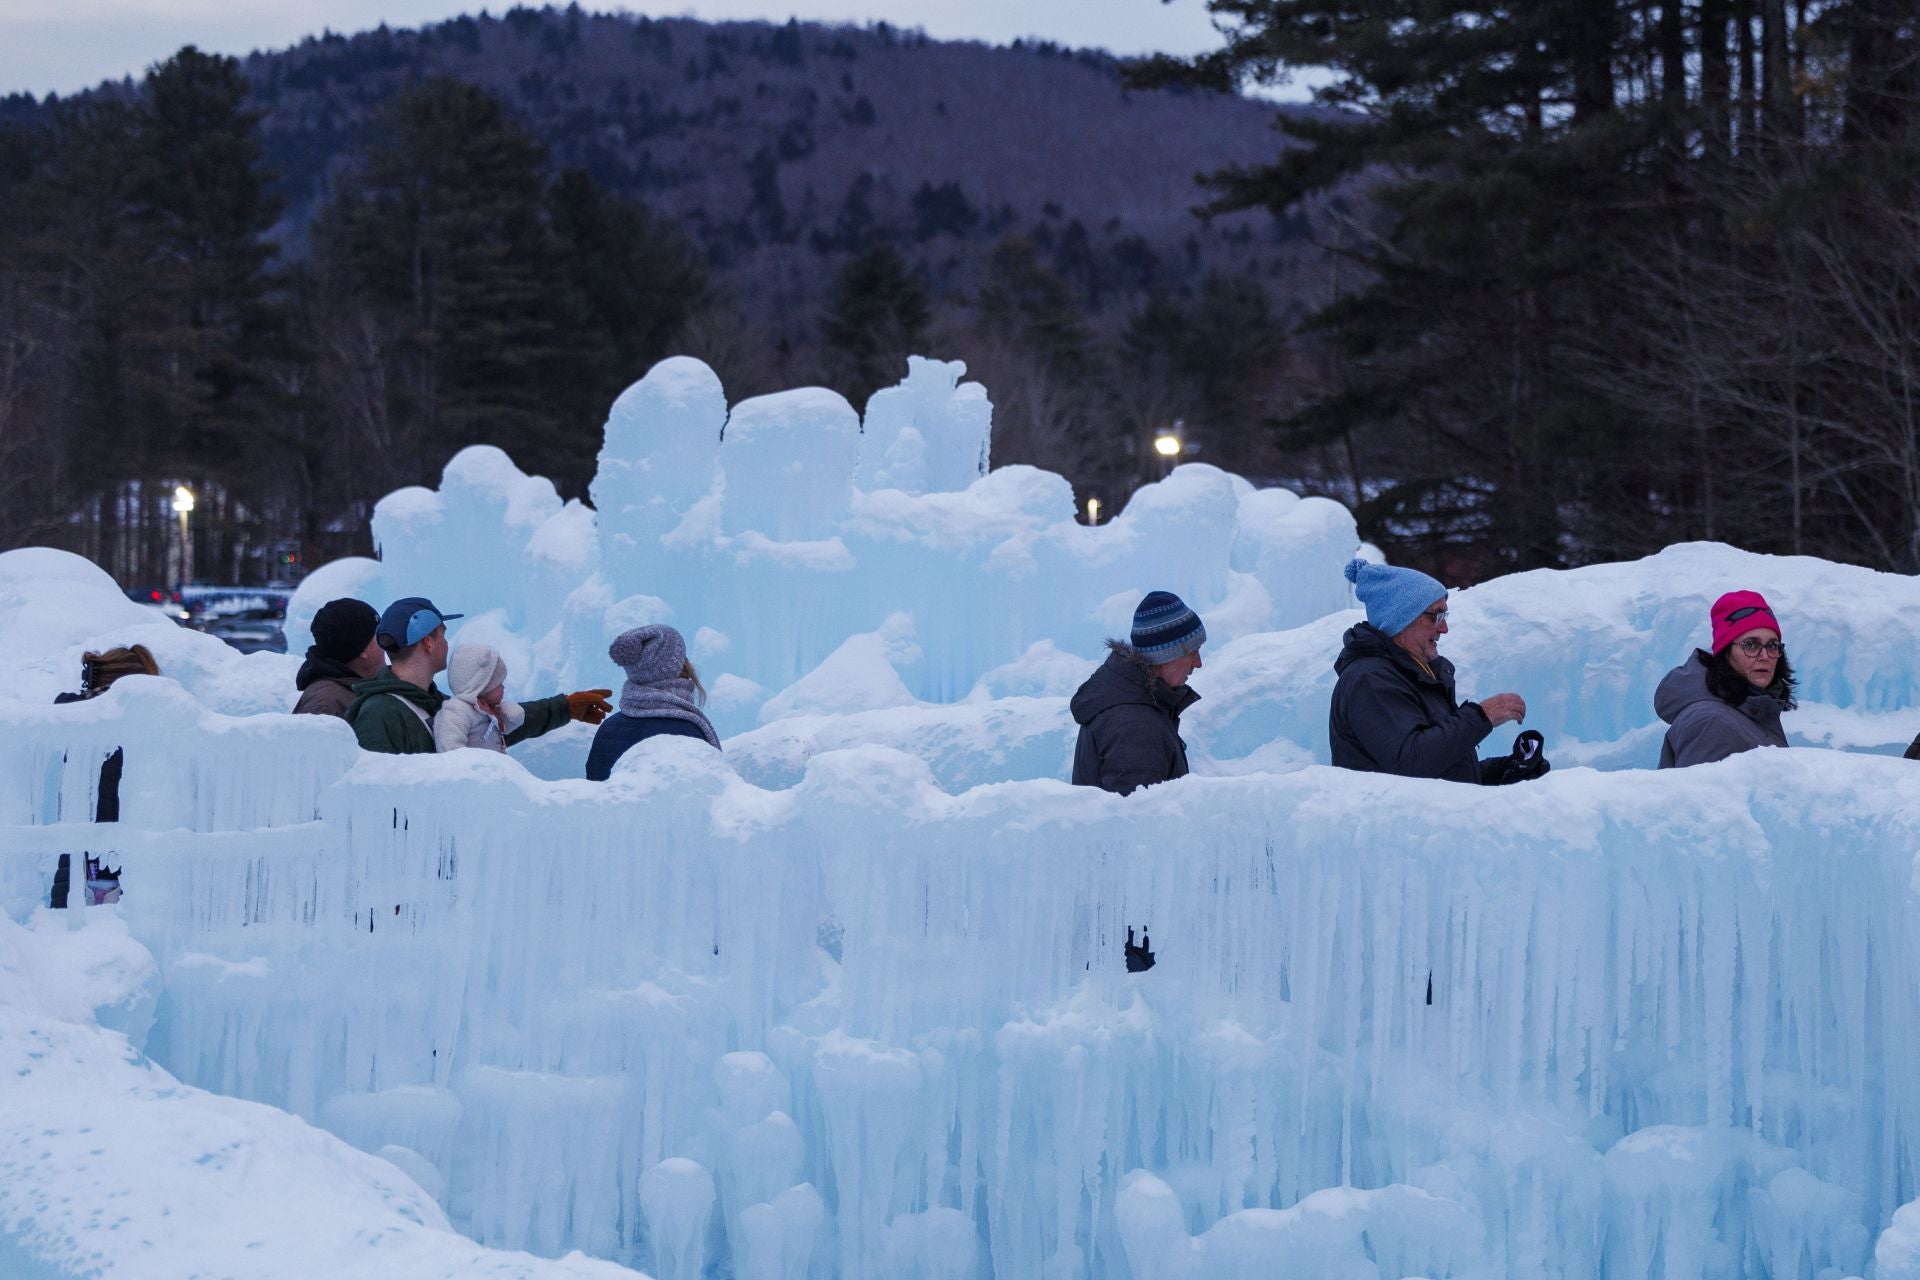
(590, 705)
(1502, 707)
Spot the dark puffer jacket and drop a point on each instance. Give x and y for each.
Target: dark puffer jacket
(1913, 752)
(619, 732)
(1704, 728)
(1389, 716)
(1129, 726)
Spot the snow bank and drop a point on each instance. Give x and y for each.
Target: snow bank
(54, 606)
(111, 1167)
(1671, 1012)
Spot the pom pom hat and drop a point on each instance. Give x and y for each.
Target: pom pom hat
(1394, 597)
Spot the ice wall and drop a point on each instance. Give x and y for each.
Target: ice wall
(809, 557)
(864, 1027)
(110, 1167)
(773, 532)
(1586, 648)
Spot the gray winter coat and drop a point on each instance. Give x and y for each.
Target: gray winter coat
(1702, 727)
(1129, 727)
(1389, 716)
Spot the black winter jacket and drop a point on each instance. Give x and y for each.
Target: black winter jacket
(1129, 727)
(106, 808)
(1389, 716)
(620, 731)
(1913, 752)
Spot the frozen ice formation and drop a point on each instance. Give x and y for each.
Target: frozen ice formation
(1670, 1029)
(848, 999)
(111, 1167)
(784, 526)
(823, 568)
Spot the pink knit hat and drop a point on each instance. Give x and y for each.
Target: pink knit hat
(1738, 612)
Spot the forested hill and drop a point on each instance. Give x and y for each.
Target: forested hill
(303, 278)
(762, 141)
(783, 149)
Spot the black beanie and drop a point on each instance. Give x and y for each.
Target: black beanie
(342, 628)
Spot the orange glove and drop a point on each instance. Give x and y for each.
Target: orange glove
(590, 705)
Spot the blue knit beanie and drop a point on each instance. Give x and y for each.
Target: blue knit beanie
(1165, 629)
(1394, 597)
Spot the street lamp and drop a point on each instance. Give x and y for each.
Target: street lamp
(183, 507)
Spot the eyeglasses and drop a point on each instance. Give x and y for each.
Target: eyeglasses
(1435, 615)
(1752, 646)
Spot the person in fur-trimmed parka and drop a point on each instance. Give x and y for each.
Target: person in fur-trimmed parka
(1129, 709)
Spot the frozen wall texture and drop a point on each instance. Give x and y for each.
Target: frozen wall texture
(863, 1027)
(848, 999)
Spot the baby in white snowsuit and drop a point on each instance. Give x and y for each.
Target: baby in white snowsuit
(476, 712)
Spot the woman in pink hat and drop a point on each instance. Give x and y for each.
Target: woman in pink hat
(1721, 703)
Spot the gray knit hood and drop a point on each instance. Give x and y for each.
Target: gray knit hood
(653, 658)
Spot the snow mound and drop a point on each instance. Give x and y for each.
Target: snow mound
(111, 1167)
(55, 606)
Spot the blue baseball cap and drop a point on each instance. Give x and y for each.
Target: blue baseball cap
(407, 622)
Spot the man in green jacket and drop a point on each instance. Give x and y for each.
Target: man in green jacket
(393, 712)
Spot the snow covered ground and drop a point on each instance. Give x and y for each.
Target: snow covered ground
(848, 1000)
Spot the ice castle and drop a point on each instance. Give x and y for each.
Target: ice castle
(847, 999)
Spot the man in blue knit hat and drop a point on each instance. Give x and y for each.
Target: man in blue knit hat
(1394, 707)
(1129, 709)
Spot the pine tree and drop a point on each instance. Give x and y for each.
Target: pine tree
(1037, 352)
(636, 279)
(1500, 149)
(203, 212)
(441, 241)
(137, 236)
(874, 321)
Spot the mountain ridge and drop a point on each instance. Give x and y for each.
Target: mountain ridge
(781, 149)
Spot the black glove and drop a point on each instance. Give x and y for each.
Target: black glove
(1528, 761)
(1140, 958)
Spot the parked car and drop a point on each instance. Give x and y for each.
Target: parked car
(161, 600)
(251, 630)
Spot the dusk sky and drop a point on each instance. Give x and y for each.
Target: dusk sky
(66, 45)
